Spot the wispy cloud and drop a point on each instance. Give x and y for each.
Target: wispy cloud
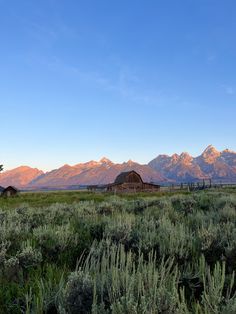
(124, 82)
(128, 85)
(51, 30)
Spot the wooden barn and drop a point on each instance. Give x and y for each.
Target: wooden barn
(10, 191)
(131, 181)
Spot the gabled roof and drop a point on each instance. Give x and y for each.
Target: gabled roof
(123, 175)
(10, 187)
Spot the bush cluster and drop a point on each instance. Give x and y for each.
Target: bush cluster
(168, 254)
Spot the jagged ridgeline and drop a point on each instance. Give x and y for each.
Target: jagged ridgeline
(79, 252)
(219, 166)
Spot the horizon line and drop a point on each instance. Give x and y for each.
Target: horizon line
(115, 162)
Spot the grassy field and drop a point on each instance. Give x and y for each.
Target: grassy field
(40, 199)
(80, 252)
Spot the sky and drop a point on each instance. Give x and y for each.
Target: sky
(127, 79)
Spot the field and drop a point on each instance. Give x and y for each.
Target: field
(80, 252)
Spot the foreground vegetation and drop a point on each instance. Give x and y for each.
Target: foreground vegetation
(96, 253)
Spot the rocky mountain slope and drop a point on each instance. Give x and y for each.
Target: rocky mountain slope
(94, 172)
(20, 176)
(220, 166)
(210, 164)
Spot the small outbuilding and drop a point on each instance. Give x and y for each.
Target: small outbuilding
(131, 181)
(10, 191)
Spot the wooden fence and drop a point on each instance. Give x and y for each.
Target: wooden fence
(197, 186)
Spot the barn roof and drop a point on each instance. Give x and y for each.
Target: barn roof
(10, 187)
(123, 175)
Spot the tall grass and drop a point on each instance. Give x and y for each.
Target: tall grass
(146, 254)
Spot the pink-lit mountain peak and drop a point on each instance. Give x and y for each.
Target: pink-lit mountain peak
(210, 150)
(210, 154)
(105, 160)
(181, 168)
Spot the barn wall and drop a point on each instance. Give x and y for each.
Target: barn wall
(133, 178)
(151, 187)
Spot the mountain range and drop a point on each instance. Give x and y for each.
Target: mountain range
(219, 166)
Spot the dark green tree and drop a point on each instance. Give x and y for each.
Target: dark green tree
(1, 168)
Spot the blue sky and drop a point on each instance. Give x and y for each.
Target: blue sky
(125, 79)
